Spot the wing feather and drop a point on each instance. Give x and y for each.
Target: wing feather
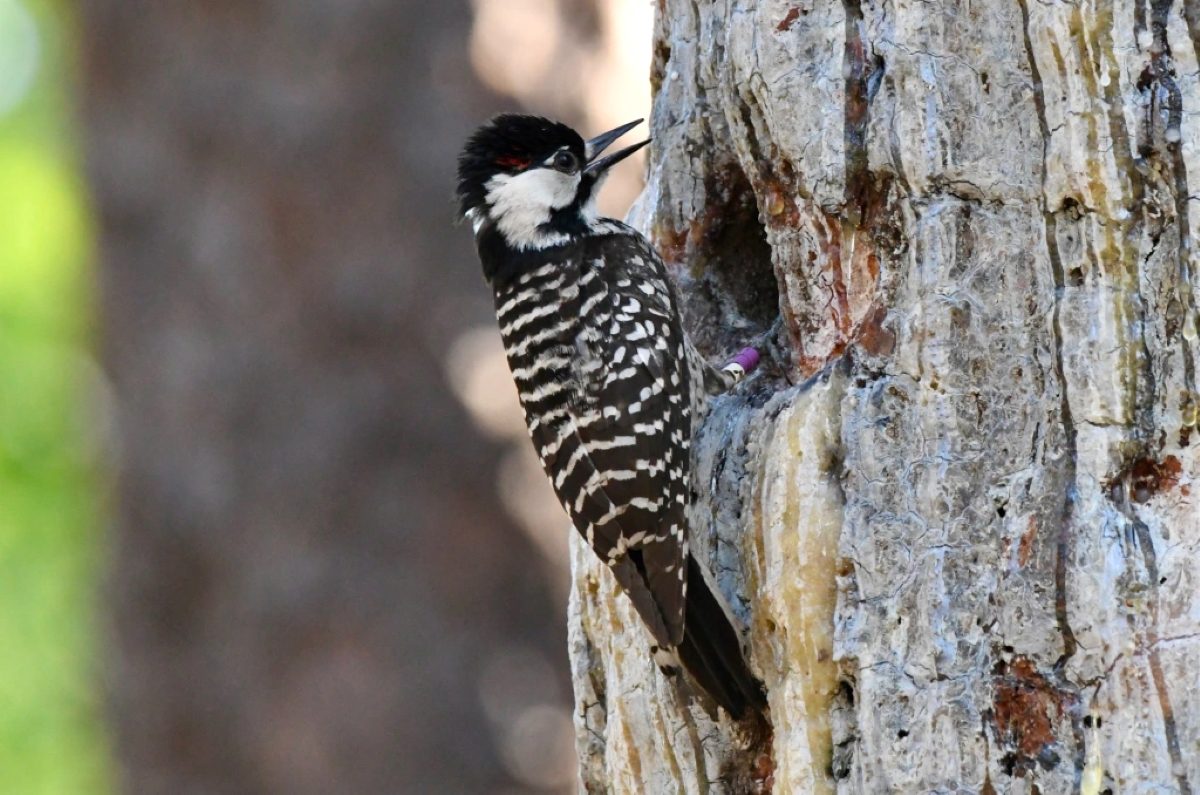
(617, 456)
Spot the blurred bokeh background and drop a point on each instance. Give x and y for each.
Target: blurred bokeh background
(268, 517)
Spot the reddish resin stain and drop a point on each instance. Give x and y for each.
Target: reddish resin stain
(1025, 709)
(1150, 477)
(1025, 548)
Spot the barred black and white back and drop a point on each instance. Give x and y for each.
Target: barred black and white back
(606, 377)
(595, 347)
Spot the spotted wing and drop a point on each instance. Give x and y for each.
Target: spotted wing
(631, 413)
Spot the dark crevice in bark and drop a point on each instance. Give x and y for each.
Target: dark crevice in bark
(844, 726)
(1164, 75)
(759, 157)
(864, 73)
(1153, 660)
(856, 112)
(1164, 702)
(1063, 544)
(1163, 86)
(1163, 72)
(894, 145)
(866, 222)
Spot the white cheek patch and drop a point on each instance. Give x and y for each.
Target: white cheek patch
(521, 203)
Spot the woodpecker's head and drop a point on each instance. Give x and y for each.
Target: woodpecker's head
(534, 180)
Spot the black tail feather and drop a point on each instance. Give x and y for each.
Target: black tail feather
(711, 650)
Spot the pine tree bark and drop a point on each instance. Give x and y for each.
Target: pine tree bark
(958, 521)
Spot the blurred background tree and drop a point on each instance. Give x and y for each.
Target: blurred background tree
(330, 562)
(50, 436)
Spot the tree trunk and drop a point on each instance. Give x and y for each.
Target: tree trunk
(958, 522)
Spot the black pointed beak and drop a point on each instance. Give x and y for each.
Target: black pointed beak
(593, 148)
(604, 140)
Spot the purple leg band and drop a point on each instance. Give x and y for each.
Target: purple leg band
(747, 358)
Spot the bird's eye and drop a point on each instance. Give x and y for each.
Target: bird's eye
(566, 162)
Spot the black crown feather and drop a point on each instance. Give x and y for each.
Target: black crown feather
(509, 143)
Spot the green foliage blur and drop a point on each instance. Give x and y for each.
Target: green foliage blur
(51, 740)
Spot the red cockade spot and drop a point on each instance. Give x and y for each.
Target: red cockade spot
(512, 161)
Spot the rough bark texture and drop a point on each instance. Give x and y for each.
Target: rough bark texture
(314, 587)
(965, 549)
